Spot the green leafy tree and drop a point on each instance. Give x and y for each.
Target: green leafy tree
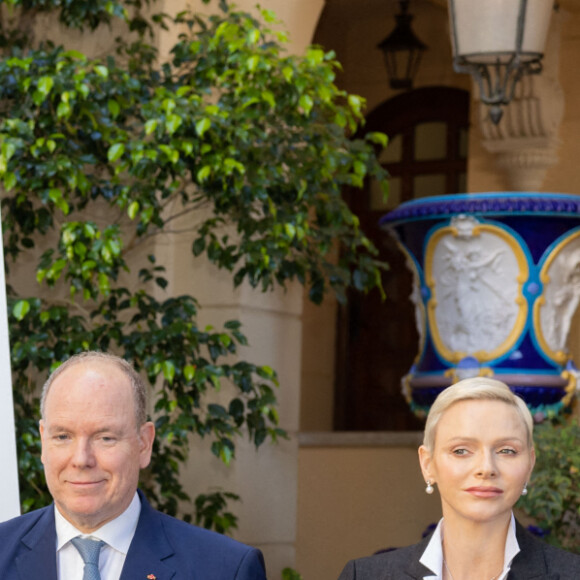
(232, 140)
(553, 498)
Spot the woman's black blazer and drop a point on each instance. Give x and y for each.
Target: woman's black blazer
(536, 560)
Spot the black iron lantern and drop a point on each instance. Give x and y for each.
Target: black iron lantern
(498, 41)
(402, 51)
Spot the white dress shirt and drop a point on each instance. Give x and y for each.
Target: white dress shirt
(432, 557)
(117, 534)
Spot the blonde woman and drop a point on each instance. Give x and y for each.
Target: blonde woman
(478, 452)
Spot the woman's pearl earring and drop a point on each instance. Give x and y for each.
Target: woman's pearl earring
(525, 490)
(429, 488)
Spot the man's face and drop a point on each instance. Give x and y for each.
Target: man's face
(92, 449)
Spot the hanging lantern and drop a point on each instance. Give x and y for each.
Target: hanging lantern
(498, 41)
(402, 51)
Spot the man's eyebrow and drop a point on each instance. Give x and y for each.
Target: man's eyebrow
(55, 427)
(114, 430)
(107, 429)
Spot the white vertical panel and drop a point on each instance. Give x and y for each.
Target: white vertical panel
(9, 496)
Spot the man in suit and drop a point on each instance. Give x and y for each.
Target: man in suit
(95, 440)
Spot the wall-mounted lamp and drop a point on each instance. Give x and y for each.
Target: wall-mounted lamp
(402, 51)
(498, 41)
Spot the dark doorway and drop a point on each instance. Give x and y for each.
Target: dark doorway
(378, 341)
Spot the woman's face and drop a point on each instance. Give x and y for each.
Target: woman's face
(481, 460)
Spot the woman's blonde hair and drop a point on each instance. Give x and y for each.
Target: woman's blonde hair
(475, 388)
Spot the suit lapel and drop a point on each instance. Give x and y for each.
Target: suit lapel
(150, 553)
(38, 555)
(415, 569)
(530, 562)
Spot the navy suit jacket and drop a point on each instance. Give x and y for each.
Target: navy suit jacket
(163, 548)
(536, 560)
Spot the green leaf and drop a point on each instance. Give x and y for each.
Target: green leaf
(356, 103)
(115, 152)
(168, 106)
(150, 126)
(63, 110)
(133, 209)
(253, 36)
(359, 168)
(252, 62)
(202, 126)
(268, 96)
(378, 138)
(104, 284)
(8, 150)
(306, 104)
(114, 108)
(203, 173)
(189, 372)
(172, 154)
(45, 85)
(21, 309)
(9, 180)
(168, 371)
(102, 71)
(55, 195)
(315, 56)
(173, 123)
(290, 574)
(75, 54)
(266, 372)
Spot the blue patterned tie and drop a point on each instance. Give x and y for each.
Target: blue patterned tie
(89, 551)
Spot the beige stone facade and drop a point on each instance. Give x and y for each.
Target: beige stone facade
(322, 498)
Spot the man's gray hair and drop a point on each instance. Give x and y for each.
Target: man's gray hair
(137, 384)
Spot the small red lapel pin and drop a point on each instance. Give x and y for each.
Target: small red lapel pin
(151, 577)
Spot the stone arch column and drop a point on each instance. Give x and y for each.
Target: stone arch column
(266, 480)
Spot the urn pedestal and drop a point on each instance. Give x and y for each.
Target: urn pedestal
(496, 285)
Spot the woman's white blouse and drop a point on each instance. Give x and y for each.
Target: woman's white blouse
(432, 557)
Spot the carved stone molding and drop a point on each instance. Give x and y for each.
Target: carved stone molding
(525, 168)
(526, 140)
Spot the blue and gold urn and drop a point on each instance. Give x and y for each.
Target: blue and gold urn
(496, 286)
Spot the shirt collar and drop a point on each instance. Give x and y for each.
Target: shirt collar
(117, 533)
(511, 546)
(432, 557)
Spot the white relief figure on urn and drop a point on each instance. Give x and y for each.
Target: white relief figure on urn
(475, 276)
(561, 277)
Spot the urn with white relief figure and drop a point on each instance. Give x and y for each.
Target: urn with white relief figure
(496, 286)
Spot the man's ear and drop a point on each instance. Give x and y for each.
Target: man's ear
(146, 438)
(426, 463)
(41, 431)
